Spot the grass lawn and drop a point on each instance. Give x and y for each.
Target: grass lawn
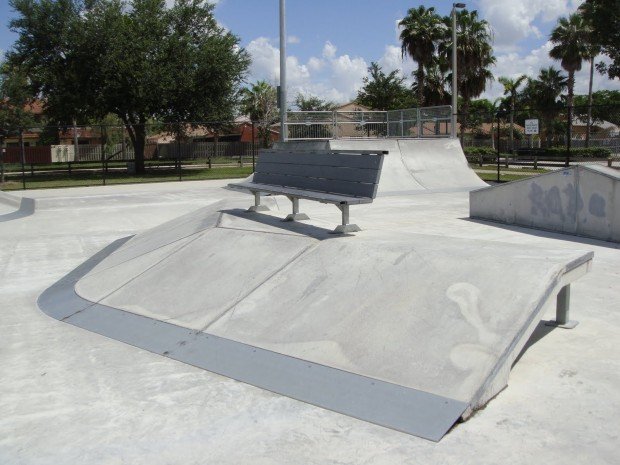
(49, 180)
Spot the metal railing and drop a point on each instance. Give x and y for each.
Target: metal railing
(411, 122)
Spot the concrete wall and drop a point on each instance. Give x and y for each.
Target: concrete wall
(582, 200)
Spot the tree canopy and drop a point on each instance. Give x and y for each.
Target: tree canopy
(384, 91)
(136, 59)
(604, 17)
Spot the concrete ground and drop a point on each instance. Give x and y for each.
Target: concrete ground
(68, 396)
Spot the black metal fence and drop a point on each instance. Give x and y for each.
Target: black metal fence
(100, 154)
(546, 135)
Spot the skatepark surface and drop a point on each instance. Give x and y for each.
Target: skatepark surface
(74, 396)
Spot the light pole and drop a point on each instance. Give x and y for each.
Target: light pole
(282, 72)
(454, 71)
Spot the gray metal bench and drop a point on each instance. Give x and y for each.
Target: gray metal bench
(342, 177)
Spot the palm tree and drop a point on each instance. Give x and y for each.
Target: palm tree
(422, 29)
(260, 103)
(570, 37)
(544, 93)
(474, 57)
(592, 50)
(511, 87)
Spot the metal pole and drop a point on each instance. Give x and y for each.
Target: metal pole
(454, 70)
(569, 135)
(102, 155)
(454, 75)
(253, 150)
(23, 156)
(282, 71)
(498, 152)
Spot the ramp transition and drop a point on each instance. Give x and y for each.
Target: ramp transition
(404, 330)
(582, 200)
(412, 165)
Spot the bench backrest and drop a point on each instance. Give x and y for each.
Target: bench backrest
(354, 174)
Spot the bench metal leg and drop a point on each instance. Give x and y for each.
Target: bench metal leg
(257, 207)
(562, 309)
(296, 216)
(345, 227)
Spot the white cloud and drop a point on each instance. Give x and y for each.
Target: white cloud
(513, 65)
(292, 40)
(334, 77)
(329, 50)
(514, 21)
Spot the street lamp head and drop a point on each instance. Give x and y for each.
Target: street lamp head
(459, 5)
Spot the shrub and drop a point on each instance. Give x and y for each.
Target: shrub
(476, 154)
(582, 152)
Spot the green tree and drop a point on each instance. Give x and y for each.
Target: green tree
(384, 91)
(605, 106)
(543, 95)
(592, 51)
(136, 59)
(14, 99)
(511, 89)
(260, 103)
(604, 18)
(312, 103)
(474, 56)
(435, 84)
(570, 39)
(421, 31)
(308, 123)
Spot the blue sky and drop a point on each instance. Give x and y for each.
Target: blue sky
(332, 42)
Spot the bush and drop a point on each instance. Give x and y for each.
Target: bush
(480, 154)
(582, 152)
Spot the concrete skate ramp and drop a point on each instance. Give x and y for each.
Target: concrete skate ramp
(13, 207)
(582, 200)
(412, 165)
(405, 330)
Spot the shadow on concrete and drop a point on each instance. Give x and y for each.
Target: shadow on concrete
(292, 227)
(547, 234)
(541, 331)
(26, 208)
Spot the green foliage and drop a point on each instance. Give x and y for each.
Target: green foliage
(260, 103)
(312, 103)
(582, 152)
(422, 30)
(14, 97)
(384, 91)
(136, 59)
(606, 106)
(604, 18)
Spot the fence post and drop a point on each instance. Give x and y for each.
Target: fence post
(253, 150)
(23, 156)
(498, 151)
(419, 122)
(102, 156)
(335, 123)
(179, 171)
(569, 134)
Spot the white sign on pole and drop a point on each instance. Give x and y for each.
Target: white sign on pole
(531, 126)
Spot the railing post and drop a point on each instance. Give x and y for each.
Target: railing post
(419, 122)
(335, 123)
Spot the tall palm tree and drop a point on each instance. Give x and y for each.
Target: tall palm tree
(421, 31)
(511, 87)
(474, 57)
(570, 39)
(544, 94)
(592, 50)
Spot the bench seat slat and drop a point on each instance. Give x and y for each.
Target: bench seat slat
(302, 194)
(318, 171)
(352, 189)
(366, 161)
